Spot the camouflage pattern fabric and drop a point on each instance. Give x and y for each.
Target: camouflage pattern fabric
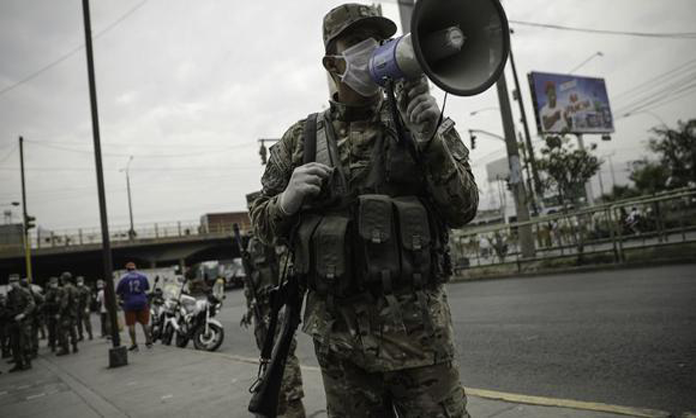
(67, 326)
(360, 334)
(84, 298)
(51, 308)
(420, 392)
(20, 301)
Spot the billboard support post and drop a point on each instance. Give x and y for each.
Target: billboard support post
(589, 193)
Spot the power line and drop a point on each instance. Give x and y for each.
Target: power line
(115, 154)
(9, 154)
(661, 35)
(73, 51)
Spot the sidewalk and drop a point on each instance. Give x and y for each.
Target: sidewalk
(172, 382)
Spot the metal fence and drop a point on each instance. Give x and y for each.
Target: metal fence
(608, 230)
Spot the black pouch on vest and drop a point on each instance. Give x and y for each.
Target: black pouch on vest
(416, 240)
(378, 239)
(303, 249)
(332, 254)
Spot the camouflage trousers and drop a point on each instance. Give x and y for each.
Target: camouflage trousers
(52, 326)
(421, 392)
(67, 329)
(20, 342)
(291, 392)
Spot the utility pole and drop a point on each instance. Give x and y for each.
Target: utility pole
(27, 224)
(589, 193)
(528, 139)
(118, 355)
(405, 12)
(131, 231)
(516, 182)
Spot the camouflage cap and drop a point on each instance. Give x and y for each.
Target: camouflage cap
(251, 197)
(66, 276)
(351, 16)
(53, 280)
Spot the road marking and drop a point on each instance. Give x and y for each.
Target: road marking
(512, 397)
(3, 393)
(567, 403)
(23, 387)
(167, 397)
(36, 396)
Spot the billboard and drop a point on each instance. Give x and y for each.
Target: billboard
(570, 104)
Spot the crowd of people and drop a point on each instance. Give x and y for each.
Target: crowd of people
(61, 314)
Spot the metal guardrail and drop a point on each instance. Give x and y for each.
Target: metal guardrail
(610, 229)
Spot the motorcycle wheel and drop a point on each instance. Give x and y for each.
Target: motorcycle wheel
(181, 340)
(211, 341)
(167, 335)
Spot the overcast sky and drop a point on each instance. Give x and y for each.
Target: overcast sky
(187, 88)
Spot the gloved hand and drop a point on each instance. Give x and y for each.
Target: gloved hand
(418, 109)
(19, 317)
(246, 320)
(305, 181)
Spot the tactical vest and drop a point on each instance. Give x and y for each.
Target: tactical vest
(379, 236)
(265, 264)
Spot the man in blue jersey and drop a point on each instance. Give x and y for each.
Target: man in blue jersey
(132, 290)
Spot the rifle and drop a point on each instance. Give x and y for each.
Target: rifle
(266, 389)
(248, 271)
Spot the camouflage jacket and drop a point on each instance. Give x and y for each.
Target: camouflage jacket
(84, 297)
(361, 330)
(53, 298)
(68, 300)
(20, 301)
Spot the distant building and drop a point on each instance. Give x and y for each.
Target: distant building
(11, 237)
(223, 222)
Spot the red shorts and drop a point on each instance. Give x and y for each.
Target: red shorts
(142, 316)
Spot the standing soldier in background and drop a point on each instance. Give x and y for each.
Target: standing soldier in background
(51, 309)
(262, 266)
(37, 316)
(67, 316)
(20, 307)
(4, 327)
(84, 301)
(369, 215)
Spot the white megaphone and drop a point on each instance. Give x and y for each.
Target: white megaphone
(461, 46)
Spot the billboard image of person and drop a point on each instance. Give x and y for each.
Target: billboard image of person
(570, 104)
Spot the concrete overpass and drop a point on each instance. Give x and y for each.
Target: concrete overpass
(85, 259)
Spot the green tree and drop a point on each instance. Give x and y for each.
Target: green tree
(676, 149)
(649, 177)
(567, 169)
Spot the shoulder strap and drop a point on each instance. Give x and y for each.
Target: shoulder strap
(310, 139)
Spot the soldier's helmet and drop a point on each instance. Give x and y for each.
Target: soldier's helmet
(53, 281)
(80, 280)
(354, 16)
(66, 277)
(251, 197)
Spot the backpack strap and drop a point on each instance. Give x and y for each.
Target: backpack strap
(310, 139)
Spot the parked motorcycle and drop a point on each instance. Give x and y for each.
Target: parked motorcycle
(196, 323)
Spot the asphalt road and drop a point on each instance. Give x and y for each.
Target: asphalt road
(623, 337)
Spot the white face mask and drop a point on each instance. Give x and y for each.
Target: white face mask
(357, 74)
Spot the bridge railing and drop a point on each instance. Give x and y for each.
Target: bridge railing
(607, 230)
(121, 233)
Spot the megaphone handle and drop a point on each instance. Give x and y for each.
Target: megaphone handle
(404, 139)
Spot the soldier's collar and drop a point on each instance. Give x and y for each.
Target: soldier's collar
(348, 113)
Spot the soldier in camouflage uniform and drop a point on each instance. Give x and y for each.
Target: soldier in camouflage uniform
(4, 327)
(265, 268)
(84, 297)
(37, 316)
(20, 309)
(67, 316)
(51, 309)
(370, 221)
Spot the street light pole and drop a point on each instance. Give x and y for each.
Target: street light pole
(25, 223)
(118, 355)
(131, 231)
